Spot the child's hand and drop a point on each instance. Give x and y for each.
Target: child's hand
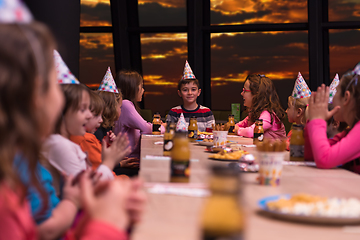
(136, 201)
(318, 104)
(71, 191)
(130, 163)
(236, 128)
(108, 201)
(116, 152)
(109, 138)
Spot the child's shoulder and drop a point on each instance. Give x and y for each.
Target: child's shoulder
(204, 108)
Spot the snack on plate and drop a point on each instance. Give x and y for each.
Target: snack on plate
(229, 156)
(205, 135)
(310, 205)
(207, 140)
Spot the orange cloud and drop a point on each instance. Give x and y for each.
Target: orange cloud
(157, 80)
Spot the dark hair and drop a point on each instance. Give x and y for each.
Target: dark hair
(109, 114)
(96, 103)
(350, 82)
(26, 59)
(264, 98)
(73, 95)
(187, 81)
(128, 82)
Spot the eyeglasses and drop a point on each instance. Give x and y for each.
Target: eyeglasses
(245, 90)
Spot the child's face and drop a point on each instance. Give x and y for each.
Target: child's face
(76, 120)
(140, 92)
(247, 95)
(189, 92)
(118, 107)
(291, 112)
(94, 123)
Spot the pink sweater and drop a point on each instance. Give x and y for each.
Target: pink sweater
(16, 221)
(274, 130)
(340, 150)
(134, 125)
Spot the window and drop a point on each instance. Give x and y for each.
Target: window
(344, 10)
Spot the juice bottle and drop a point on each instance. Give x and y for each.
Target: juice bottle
(180, 158)
(297, 143)
(156, 124)
(223, 217)
(193, 129)
(231, 122)
(258, 131)
(168, 138)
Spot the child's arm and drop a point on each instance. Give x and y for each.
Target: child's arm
(63, 215)
(327, 155)
(249, 131)
(132, 119)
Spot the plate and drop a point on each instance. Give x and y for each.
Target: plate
(304, 218)
(202, 143)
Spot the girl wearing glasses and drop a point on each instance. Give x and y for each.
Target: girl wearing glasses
(342, 149)
(261, 99)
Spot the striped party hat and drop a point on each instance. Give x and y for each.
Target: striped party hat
(357, 69)
(14, 11)
(301, 89)
(333, 85)
(64, 75)
(188, 73)
(108, 83)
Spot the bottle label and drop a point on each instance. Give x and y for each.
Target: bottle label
(231, 129)
(258, 137)
(168, 145)
(192, 134)
(156, 127)
(297, 151)
(180, 169)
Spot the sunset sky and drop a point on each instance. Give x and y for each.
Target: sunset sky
(278, 55)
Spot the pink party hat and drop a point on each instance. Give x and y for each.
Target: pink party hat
(181, 124)
(333, 85)
(301, 89)
(14, 11)
(64, 75)
(108, 83)
(357, 69)
(188, 73)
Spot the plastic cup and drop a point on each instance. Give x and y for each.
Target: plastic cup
(220, 138)
(270, 167)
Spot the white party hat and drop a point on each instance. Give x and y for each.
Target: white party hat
(14, 11)
(108, 83)
(64, 75)
(333, 85)
(301, 89)
(181, 124)
(188, 73)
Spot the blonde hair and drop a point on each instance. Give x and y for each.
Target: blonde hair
(301, 103)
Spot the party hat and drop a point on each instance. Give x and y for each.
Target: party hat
(301, 89)
(108, 83)
(333, 86)
(14, 11)
(64, 75)
(357, 69)
(188, 73)
(181, 124)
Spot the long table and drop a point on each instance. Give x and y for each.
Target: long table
(177, 217)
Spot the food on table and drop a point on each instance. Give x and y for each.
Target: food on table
(311, 205)
(205, 135)
(208, 140)
(229, 156)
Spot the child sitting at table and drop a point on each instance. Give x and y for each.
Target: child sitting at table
(260, 97)
(112, 108)
(130, 121)
(189, 90)
(342, 150)
(297, 104)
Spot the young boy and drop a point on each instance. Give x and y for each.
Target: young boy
(189, 90)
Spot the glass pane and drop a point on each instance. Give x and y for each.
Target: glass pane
(162, 13)
(95, 13)
(231, 12)
(163, 61)
(344, 10)
(96, 55)
(278, 55)
(344, 50)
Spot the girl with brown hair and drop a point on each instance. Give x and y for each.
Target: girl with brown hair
(261, 99)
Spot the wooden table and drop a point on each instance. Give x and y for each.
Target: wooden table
(177, 217)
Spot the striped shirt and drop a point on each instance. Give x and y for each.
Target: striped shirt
(204, 116)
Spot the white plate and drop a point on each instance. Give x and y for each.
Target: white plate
(304, 218)
(202, 143)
